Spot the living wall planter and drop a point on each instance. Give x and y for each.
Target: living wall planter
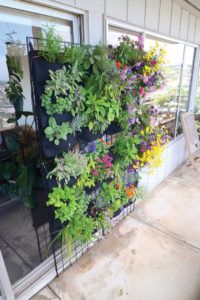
(113, 128)
(86, 136)
(40, 72)
(93, 188)
(52, 182)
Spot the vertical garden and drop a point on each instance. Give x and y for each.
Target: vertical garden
(95, 129)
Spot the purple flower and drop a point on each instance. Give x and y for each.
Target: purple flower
(91, 147)
(132, 121)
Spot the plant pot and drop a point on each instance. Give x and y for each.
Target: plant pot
(117, 213)
(41, 67)
(113, 128)
(86, 136)
(49, 149)
(93, 188)
(55, 224)
(52, 182)
(112, 154)
(129, 203)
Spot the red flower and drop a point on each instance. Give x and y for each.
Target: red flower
(118, 64)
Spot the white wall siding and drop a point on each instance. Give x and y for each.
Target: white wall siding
(136, 12)
(152, 14)
(165, 16)
(117, 9)
(184, 24)
(191, 28)
(175, 20)
(197, 32)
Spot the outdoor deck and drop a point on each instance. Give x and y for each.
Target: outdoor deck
(153, 254)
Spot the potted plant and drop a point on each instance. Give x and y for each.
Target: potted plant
(67, 169)
(125, 148)
(70, 207)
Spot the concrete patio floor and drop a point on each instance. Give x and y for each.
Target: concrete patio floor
(154, 254)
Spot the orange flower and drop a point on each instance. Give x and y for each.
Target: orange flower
(102, 141)
(130, 193)
(118, 186)
(108, 144)
(118, 64)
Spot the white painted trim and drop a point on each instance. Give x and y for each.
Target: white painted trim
(128, 26)
(54, 9)
(5, 285)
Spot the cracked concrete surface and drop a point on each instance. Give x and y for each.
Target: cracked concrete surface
(154, 254)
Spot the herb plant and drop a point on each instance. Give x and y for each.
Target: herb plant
(70, 207)
(125, 148)
(51, 44)
(63, 92)
(71, 164)
(55, 133)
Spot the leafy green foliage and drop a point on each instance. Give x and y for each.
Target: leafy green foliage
(71, 55)
(101, 110)
(108, 195)
(71, 164)
(14, 91)
(125, 148)
(71, 205)
(55, 133)
(51, 44)
(127, 52)
(64, 86)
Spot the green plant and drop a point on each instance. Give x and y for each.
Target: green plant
(70, 207)
(71, 164)
(109, 195)
(128, 51)
(87, 179)
(64, 86)
(55, 133)
(101, 110)
(80, 229)
(125, 148)
(18, 174)
(71, 55)
(51, 44)
(14, 91)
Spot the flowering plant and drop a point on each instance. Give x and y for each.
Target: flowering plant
(100, 163)
(139, 71)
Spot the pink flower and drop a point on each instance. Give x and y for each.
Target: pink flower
(142, 91)
(152, 88)
(140, 41)
(145, 79)
(95, 173)
(143, 149)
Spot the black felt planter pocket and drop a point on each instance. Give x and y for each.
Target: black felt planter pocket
(93, 188)
(41, 68)
(86, 136)
(52, 182)
(113, 128)
(56, 224)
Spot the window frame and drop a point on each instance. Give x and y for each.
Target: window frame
(195, 65)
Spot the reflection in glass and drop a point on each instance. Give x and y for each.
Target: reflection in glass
(173, 98)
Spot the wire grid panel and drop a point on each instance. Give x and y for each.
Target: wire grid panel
(64, 260)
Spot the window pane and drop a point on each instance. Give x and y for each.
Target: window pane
(115, 33)
(173, 98)
(14, 28)
(185, 83)
(167, 98)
